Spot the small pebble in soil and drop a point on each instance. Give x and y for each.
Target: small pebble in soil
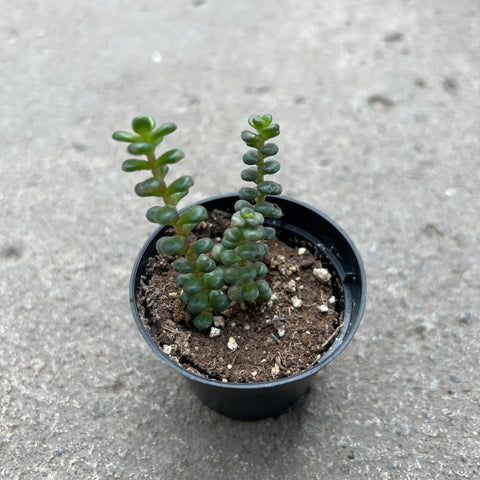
(218, 321)
(281, 332)
(322, 274)
(167, 349)
(215, 332)
(291, 286)
(246, 327)
(229, 366)
(254, 374)
(232, 344)
(332, 300)
(323, 308)
(302, 251)
(297, 302)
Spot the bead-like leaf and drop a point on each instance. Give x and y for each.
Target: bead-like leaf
(203, 320)
(133, 165)
(233, 234)
(161, 131)
(250, 174)
(193, 215)
(235, 293)
(172, 156)
(251, 139)
(150, 187)
(198, 303)
(165, 215)
(254, 234)
(251, 157)
(269, 150)
(245, 274)
(269, 188)
(257, 123)
(217, 252)
(218, 301)
(239, 204)
(170, 245)
(250, 292)
(123, 136)
(192, 286)
(229, 257)
(140, 148)
(248, 194)
(183, 278)
(204, 245)
(261, 269)
(182, 265)
(143, 125)
(213, 280)
(262, 250)
(180, 185)
(230, 275)
(269, 233)
(247, 251)
(205, 264)
(270, 132)
(270, 167)
(237, 220)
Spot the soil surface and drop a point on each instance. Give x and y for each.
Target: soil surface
(270, 340)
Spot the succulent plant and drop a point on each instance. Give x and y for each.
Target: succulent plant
(206, 271)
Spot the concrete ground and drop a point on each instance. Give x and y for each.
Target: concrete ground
(379, 105)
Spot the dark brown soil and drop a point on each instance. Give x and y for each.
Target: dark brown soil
(275, 339)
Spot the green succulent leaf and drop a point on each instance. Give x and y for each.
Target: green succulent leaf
(180, 185)
(205, 264)
(149, 187)
(204, 245)
(140, 148)
(251, 139)
(193, 215)
(237, 220)
(228, 245)
(251, 157)
(198, 303)
(123, 136)
(229, 257)
(269, 233)
(262, 250)
(247, 251)
(250, 174)
(183, 278)
(230, 275)
(253, 234)
(172, 156)
(248, 194)
(170, 245)
(192, 286)
(270, 131)
(165, 215)
(218, 301)
(261, 270)
(263, 297)
(250, 292)
(270, 167)
(203, 320)
(217, 252)
(213, 280)
(182, 265)
(247, 273)
(133, 165)
(269, 150)
(161, 131)
(233, 234)
(257, 122)
(239, 204)
(143, 125)
(235, 293)
(269, 188)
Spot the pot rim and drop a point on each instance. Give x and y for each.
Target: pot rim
(318, 365)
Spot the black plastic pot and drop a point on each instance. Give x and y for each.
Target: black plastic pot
(301, 225)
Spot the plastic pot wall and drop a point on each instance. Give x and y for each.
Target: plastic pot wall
(301, 225)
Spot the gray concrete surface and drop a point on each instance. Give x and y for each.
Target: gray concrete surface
(379, 107)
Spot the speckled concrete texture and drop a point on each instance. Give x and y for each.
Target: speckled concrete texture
(379, 105)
